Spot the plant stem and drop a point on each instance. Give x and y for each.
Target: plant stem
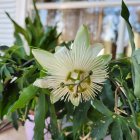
(131, 107)
(121, 95)
(28, 62)
(54, 127)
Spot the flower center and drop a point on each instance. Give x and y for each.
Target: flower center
(76, 78)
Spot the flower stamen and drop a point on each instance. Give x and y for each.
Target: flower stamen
(77, 81)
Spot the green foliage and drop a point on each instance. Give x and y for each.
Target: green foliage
(19, 29)
(125, 14)
(35, 34)
(121, 129)
(9, 96)
(107, 95)
(25, 96)
(126, 129)
(116, 131)
(40, 114)
(100, 128)
(14, 117)
(18, 71)
(79, 121)
(135, 53)
(56, 135)
(98, 105)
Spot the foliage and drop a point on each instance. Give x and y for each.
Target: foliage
(115, 111)
(18, 70)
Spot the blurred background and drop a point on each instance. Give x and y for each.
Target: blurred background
(101, 16)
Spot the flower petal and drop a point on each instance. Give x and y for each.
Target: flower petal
(58, 94)
(82, 37)
(64, 60)
(42, 83)
(75, 100)
(43, 57)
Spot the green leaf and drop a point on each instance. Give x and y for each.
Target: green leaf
(136, 54)
(25, 96)
(120, 68)
(18, 39)
(126, 131)
(135, 57)
(116, 131)
(1, 97)
(82, 37)
(29, 76)
(1, 87)
(69, 108)
(78, 121)
(136, 72)
(136, 76)
(98, 105)
(125, 14)
(14, 117)
(6, 72)
(10, 95)
(40, 114)
(49, 40)
(53, 123)
(94, 115)
(19, 29)
(100, 128)
(35, 31)
(107, 95)
(18, 51)
(37, 17)
(133, 125)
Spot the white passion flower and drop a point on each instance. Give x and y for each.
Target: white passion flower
(77, 74)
